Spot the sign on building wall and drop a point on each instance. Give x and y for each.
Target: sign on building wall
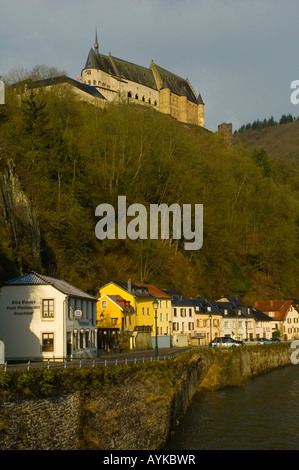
(2, 92)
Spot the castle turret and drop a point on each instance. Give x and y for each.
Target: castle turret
(96, 43)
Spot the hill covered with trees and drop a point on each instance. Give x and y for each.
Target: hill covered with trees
(280, 139)
(60, 158)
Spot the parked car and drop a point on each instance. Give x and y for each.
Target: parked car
(266, 341)
(225, 341)
(276, 340)
(261, 341)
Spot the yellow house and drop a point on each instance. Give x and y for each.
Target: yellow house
(140, 300)
(164, 323)
(113, 311)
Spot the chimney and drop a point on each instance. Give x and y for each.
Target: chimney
(129, 285)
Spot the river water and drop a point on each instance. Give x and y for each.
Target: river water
(261, 415)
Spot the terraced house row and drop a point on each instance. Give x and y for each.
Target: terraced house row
(42, 317)
(129, 307)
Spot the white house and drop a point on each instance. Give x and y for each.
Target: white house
(42, 317)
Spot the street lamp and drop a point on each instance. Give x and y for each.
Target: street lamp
(210, 317)
(156, 305)
(170, 339)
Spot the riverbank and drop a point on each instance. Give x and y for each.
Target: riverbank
(125, 407)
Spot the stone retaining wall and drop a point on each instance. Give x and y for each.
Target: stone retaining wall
(123, 407)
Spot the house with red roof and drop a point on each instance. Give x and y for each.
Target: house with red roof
(284, 315)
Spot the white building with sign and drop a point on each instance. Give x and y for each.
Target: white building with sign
(42, 317)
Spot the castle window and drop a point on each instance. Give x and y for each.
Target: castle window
(89, 82)
(94, 82)
(136, 96)
(143, 99)
(150, 101)
(129, 94)
(155, 103)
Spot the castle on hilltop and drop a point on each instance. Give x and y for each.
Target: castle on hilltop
(122, 81)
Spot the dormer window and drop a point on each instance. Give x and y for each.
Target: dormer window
(225, 311)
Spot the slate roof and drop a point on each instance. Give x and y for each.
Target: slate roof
(59, 80)
(178, 299)
(136, 290)
(136, 73)
(178, 85)
(36, 279)
(121, 69)
(236, 309)
(205, 306)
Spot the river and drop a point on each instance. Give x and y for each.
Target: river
(261, 415)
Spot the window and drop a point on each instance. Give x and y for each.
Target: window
(174, 312)
(148, 310)
(104, 303)
(190, 312)
(87, 339)
(143, 311)
(47, 342)
(183, 312)
(48, 308)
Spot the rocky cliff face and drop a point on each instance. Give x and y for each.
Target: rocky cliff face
(18, 213)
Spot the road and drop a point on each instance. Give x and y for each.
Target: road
(103, 359)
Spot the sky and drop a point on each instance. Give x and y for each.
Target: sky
(240, 55)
